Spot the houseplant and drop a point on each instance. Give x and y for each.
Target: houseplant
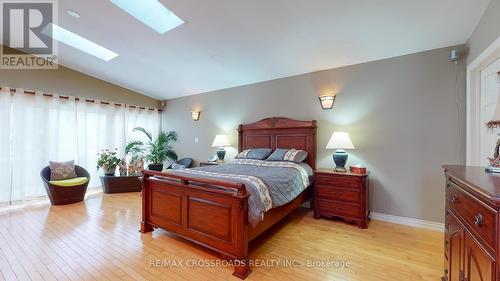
(154, 151)
(108, 161)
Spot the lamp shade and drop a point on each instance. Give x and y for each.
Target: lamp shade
(327, 101)
(340, 140)
(220, 141)
(195, 115)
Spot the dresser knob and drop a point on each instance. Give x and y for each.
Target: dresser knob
(454, 199)
(478, 220)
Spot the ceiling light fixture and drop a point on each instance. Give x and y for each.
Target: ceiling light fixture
(76, 41)
(74, 14)
(150, 12)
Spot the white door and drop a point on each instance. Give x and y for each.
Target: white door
(490, 92)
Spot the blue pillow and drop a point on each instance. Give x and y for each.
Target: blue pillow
(176, 166)
(292, 155)
(277, 155)
(255, 153)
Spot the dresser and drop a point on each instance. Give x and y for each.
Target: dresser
(341, 195)
(471, 238)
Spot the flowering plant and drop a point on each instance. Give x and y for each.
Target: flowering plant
(108, 160)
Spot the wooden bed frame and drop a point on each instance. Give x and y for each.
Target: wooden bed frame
(214, 214)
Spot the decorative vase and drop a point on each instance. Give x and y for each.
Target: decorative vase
(131, 167)
(109, 170)
(140, 166)
(122, 167)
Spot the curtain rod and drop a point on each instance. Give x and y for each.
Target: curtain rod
(28, 92)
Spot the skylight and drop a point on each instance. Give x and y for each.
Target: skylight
(152, 13)
(76, 41)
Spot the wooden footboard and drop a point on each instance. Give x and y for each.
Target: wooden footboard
(210, 213)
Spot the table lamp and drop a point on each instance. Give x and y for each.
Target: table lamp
(221, 141)
(340, 141)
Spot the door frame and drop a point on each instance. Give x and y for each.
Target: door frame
(473, 102)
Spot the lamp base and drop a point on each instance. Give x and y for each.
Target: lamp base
(221, 153)
(340, 170)
(492, 169)
(340, 158)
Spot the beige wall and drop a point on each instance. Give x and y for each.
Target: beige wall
(486, 32)
(65, 81)
(401, 114)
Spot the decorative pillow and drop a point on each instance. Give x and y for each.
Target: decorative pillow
(62, 170)
(243, 154)
(176, 166)
(292, 155)
(295, 155)
(255, 153)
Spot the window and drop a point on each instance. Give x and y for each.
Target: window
(36, 129)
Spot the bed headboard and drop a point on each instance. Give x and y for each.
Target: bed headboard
(278, 132)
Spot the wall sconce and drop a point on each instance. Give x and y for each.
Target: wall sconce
(327, 101)
(195, 115)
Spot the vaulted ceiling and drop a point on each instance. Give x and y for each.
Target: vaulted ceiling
(228, 43)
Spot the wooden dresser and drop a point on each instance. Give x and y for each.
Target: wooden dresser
(471, 239)
(342, 195)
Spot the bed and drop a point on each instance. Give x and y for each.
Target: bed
(214, 212)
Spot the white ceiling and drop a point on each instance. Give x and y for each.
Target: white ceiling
(227, 43)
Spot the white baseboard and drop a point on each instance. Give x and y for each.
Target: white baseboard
(408, 221)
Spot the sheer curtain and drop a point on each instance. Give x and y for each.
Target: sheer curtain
(100, 126)
(148, 119)
(5, 153)
(43, 130)
(36, 129)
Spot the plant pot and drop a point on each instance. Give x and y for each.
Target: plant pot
(155, 167)
(109, 171)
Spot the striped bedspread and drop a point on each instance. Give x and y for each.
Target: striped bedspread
(270, 184)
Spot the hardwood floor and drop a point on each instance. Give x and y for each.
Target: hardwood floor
(98, 240)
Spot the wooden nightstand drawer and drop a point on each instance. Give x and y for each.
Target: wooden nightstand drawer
(336, 208)
(337, 181)
(337, 194)
(341, 195)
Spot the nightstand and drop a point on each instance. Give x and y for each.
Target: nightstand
(341, 195)
(210, 163)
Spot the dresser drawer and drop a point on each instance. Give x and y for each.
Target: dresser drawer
(336, 208)
(479, 218)
(346, 182)
(337, 194)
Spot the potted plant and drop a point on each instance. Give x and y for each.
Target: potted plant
(154, 151)
(108, 161)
